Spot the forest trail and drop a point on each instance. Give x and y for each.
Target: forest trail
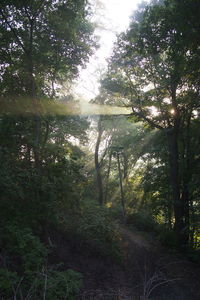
(160, 274)
(146, 270)
(136, 238)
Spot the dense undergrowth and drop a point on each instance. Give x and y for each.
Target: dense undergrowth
(146, 223)
(25, 269)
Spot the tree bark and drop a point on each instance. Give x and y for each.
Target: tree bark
(178, 206)
(33, 94)
(125, 159)
(97, 164)
(185, 197)
(121, 187)
(107, 177)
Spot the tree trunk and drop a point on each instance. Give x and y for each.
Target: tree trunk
(193, 225)
(107, 177)
(121, 187)
(125, 165)
(178, 206)
(32, 93)
(187, 175)
(97, 164)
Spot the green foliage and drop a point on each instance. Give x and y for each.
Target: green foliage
(97, 228)
(154, 70)
(194, 255)
(35, 196)
(51, 40)
(53, 285)
(142, 220)
(22, 242)
(168, 238)
(41, 178)
(7, 280)
(32, 274)
(31, 199)
(63, 285)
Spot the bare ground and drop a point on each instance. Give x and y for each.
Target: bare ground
(162, 275)
(147, 271)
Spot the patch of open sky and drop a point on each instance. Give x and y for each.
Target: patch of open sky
(111, 17)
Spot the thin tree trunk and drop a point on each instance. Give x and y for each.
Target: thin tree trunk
(32, 92)
(121, 187)
(192, 231)
(107, 177)
(174, 177)
(187, 176)
(174, 160)
(125, 165)
(97, 164)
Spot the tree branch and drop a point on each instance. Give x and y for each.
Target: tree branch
(13, 31)
(142, 116)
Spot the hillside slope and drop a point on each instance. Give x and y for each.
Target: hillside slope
(146, 271)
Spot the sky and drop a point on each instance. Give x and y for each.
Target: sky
(111, 17)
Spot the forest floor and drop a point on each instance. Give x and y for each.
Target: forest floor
(162, 274)
(147, 270)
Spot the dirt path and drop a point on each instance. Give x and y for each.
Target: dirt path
(136, 238)
(164, 275)
(144, 268)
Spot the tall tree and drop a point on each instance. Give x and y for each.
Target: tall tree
(154, 69)
(97, 162)
(43, 44)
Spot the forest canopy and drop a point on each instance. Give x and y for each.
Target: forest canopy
(154, 70)
(70, 184)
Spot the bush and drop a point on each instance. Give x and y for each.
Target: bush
(97, 229)
(168, 238)
(194, 255)
(63, 285)
(143, 221)
(54, 285)
(23, 243)
(25, 273)
(8, 280)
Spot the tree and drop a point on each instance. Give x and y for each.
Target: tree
(154, 69)
(43, 44)
(114, 157)
(97, 162)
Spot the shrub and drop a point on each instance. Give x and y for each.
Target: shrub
(29, 249)
(143, 221)
(97, 229)
(168, 238)
(8, 280)
(25, 273)
(51, 284)
(63, 285)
